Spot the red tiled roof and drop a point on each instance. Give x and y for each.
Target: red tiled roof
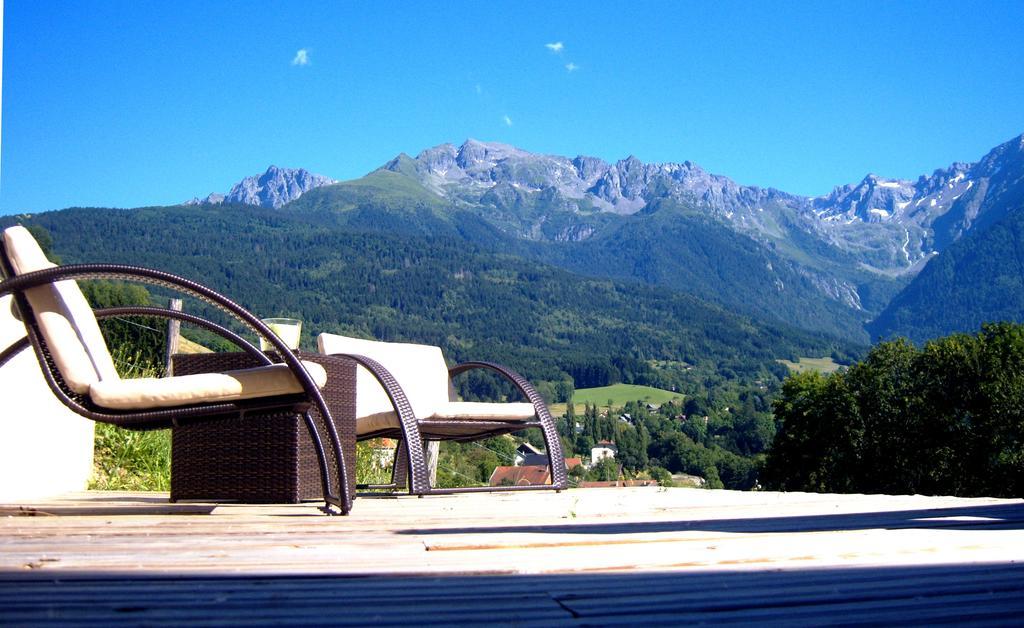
(571, 463)
(526, 475)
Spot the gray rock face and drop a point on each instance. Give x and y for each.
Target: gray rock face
(881, 225)
(273, 188)
(212, 199)
(889, 225)
(874, 199)
(624, 187)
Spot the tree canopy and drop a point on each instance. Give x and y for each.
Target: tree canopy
(947, 418)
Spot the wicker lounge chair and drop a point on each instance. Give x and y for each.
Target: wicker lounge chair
(76, 363)
(404, 391)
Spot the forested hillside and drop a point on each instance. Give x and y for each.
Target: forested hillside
(674, 247)
(978, 279)
(670, 244)
(440, 290)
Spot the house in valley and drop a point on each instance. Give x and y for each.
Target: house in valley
(603, 449)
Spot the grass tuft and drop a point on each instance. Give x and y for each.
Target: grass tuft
(131, 461)
(125, 460)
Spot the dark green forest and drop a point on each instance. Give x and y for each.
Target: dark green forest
(471, 301)
(946, 419)
(977, 279)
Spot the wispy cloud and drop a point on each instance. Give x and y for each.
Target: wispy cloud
(507, 120)
(301, 57)
(572, 67)
(555, 47)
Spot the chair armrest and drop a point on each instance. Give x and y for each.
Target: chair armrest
(559, 477)
(16, 347)
(406, 417)
(241, 343)
(520, 382)
(387, 381)
(119, 272)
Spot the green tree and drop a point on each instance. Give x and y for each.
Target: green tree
(663, 477)
(815, 447)
(606, 470)
(884, 388)
(945, 419)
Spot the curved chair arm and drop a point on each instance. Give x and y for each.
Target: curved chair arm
(114, 312)
(120, 272)
(138, 310)
(160, 278)
(520, 382)
(559, 477)
(163, 279)
(16, 347)
(406, 417)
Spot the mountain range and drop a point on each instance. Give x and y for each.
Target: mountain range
(833, 263)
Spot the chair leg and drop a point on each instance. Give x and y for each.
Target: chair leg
(400, 467)
(553, 444)
(342, 500)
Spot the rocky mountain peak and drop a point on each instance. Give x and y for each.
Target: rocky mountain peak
(589, 168)
(274, 188)
(1011, 152)
(474, 154)
(873, 199)
(212, 199)
(622, 187)
(439, 158)
(629, 163)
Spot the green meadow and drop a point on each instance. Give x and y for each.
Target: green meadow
(618, 394)
(822, 365)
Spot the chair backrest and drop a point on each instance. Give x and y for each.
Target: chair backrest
(420, 370)
(65, 320)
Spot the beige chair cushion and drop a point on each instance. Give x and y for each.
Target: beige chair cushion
(469, 410)
(64, 316)
(452, 410)
(180, 390)
(419, 369)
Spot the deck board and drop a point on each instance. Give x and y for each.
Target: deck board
(592, 556)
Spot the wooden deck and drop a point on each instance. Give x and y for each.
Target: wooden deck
(582, 557)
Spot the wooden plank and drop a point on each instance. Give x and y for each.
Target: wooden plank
(595, 530)
(983, 594)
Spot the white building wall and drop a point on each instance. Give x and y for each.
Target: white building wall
(597, 454)
(45, 448)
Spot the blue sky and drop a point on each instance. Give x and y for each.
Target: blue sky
(146, 103)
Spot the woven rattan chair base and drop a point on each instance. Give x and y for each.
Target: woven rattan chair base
(260, 459)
